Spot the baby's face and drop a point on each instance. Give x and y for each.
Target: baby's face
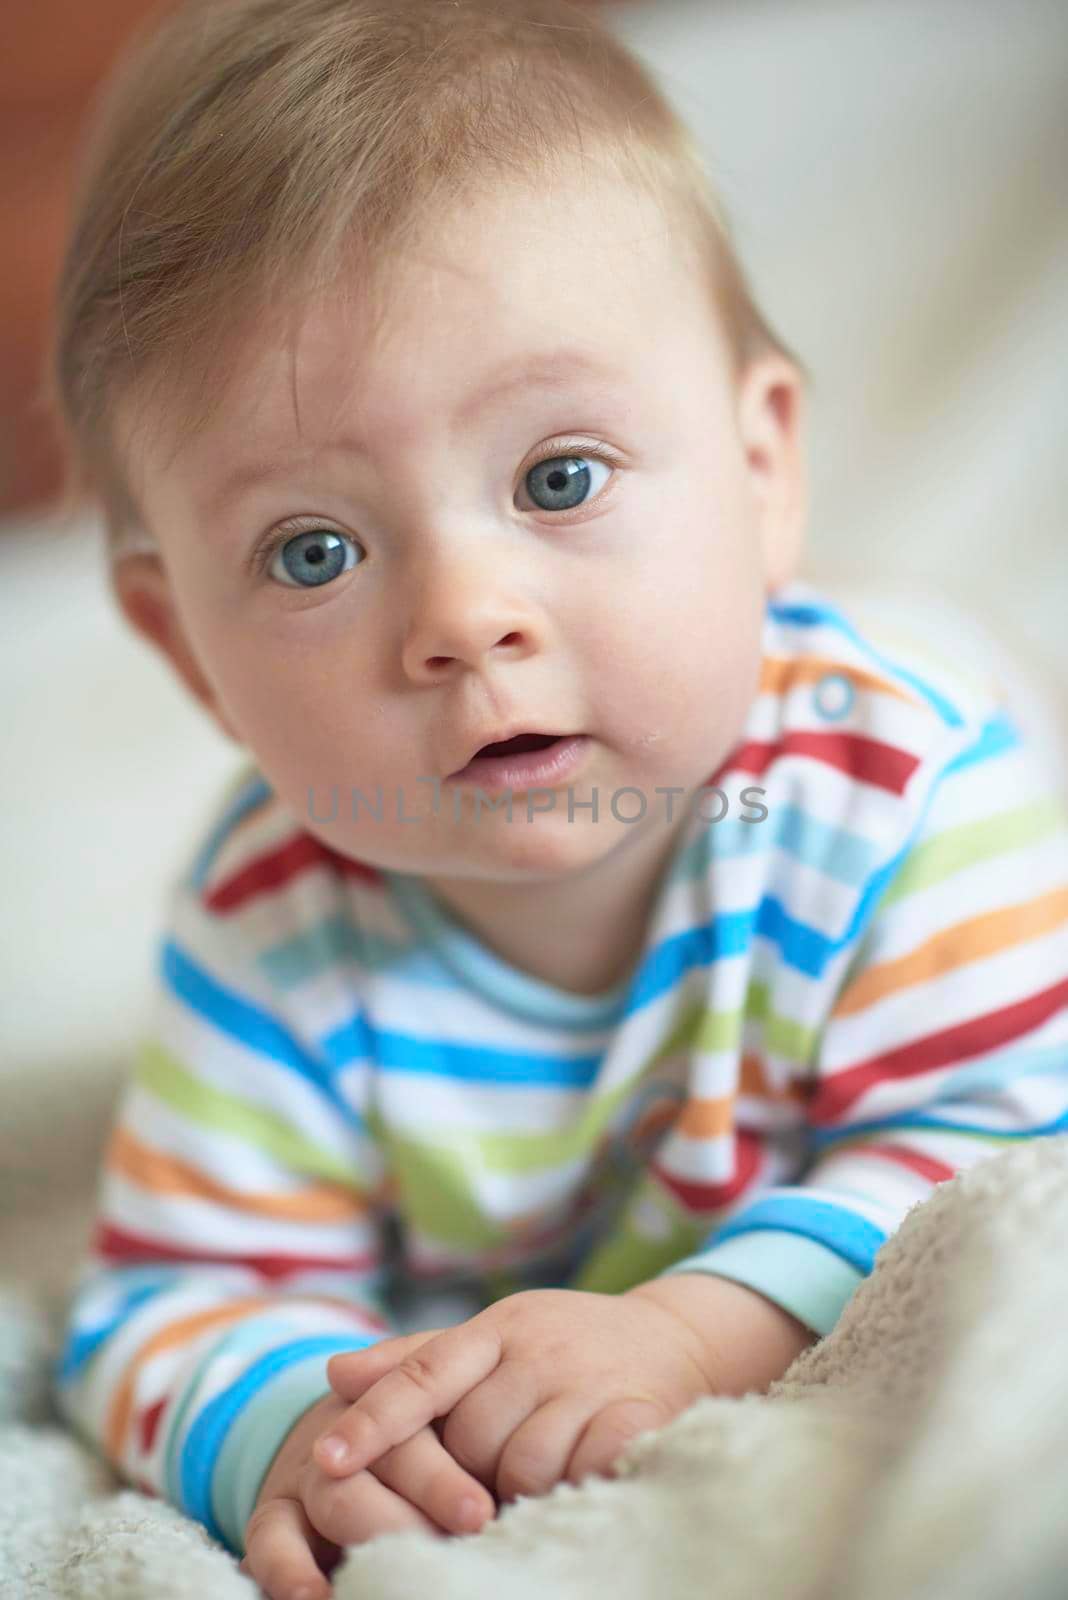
(406, 578)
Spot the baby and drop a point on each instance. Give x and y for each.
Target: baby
(605, 928)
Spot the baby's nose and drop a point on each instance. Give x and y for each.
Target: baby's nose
(467, 618)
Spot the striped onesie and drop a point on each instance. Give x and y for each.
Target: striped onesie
(853, 985)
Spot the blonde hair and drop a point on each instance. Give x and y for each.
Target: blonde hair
(244, 154)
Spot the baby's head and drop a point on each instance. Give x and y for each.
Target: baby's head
(402, 346)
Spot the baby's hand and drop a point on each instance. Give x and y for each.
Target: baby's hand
(303, 1519)
(540, 1386)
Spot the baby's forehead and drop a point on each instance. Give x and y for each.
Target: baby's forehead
(578, 275)
(585, 261)
(595, 232)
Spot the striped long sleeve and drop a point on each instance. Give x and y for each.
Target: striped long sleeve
(947, 1035)
(235, 1246)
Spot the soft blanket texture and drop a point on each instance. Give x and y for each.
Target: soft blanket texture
(919, 1450)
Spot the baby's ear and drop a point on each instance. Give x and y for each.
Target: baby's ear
(771, 425)
(143, 590)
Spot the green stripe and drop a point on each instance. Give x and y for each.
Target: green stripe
(435, 1195)
(956, 848)
(512, 1153)
(434, 1172)
(783, 1036)
(879, 1135)
(627, 1257)
(163, 1075)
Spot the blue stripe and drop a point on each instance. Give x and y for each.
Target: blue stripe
(997, 736)
(206, 1436)
(251, 1026)
(918, 1119)
(247, 800)
(356, 1040)
(233, 1015)
(837, 853)
(853, 1238)
(251, 1331)
(801, 946)
(336, 938)
(664, 966)
(399, 1052)
(813, 616)
(82, 1344)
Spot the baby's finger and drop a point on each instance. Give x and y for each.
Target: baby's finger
(279, 1545)
(536, 1454)
(425, 1473)
(351, 1372)
(353, 1510)
(608, 1434)
(426, 1384)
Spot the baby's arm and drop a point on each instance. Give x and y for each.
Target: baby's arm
(947, 1037)
(236, 1246)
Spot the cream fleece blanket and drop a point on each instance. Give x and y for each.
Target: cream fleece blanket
(919, 1451)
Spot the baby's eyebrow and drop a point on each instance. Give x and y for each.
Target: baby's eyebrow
(555, 369)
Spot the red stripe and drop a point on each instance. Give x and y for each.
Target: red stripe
(870, 760)
(707, 1196)
(148, 1423)
(116, 1245)
(277, 867)
(837, 1094)
(926, 1166)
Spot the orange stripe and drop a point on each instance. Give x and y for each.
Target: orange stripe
(954, 947)
(172, 1337)
(756, 1083)
(183, 1331)
(711, 1118)
(706, 1119)
(779, 674)
(153, 1170)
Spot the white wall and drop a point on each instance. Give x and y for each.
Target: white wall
(897, 176)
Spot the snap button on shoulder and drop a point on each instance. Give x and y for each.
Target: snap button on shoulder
(833, 696)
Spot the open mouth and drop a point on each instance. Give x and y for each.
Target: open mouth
(544, 759)
(521, 744)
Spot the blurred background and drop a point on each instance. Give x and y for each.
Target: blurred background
(896, 174)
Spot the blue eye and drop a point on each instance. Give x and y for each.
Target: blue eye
(312, 558)
(564, 481)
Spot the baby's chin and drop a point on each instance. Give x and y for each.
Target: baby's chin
(543, 846)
